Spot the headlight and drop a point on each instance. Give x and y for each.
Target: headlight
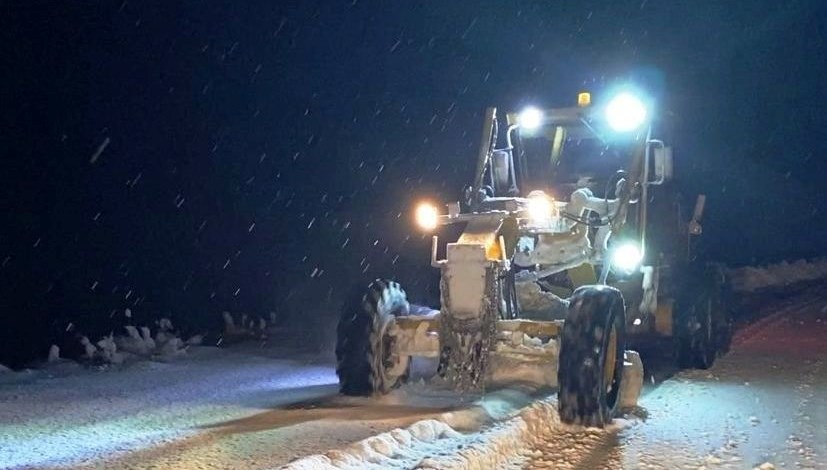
(539, 207)
(427, 216)
(627, 257)
(530, 119)
(625, 112)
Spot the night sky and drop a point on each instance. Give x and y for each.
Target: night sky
(185, 158)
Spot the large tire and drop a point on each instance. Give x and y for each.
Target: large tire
(704, 326)
(591, 356)
(363, 351)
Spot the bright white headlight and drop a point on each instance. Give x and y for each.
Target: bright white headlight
(530, 118)
(539, 207)
(627, 257)
(427, 216)
(625, 112)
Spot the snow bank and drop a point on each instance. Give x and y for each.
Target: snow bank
(378, 451)
(139, 343)
(435, 444)
(505, 442)
(751, 279)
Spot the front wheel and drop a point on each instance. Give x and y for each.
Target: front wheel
(365, 359)
(591, 356)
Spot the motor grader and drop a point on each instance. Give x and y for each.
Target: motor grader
(573, 244)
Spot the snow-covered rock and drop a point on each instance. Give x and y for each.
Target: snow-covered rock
(147, 337)
(54, 354)
(134, 342)
(88, 348)
(165, 324)
(229, 323)
(246, 328)
(195, 340)
(109, 350)
(137, 343)
(172, 347)
(140, 342)
(162, 336)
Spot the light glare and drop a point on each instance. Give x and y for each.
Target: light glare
(539, 207)
(627, 257)
(625, 112)
(531, 118)
(427, 216)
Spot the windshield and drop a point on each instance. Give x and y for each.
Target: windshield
(583, 161)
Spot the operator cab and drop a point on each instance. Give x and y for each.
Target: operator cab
(560, 150)
(561, 159)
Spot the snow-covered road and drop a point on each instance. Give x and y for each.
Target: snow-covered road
(245, 408)
(224, 409)
(765, 403)
(147, 407)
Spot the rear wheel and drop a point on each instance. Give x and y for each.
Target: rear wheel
(365, 359)
(696, 340)
(591, 356)
(704, 326)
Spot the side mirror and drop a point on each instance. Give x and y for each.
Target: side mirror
(663, 164)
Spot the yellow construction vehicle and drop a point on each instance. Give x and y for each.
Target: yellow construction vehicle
(572, 242)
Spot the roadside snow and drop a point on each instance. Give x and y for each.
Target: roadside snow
(516, 425)
(434, 443)
(751, 279)
(386, 450)
(137, 344)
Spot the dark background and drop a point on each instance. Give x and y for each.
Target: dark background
(263, 156)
